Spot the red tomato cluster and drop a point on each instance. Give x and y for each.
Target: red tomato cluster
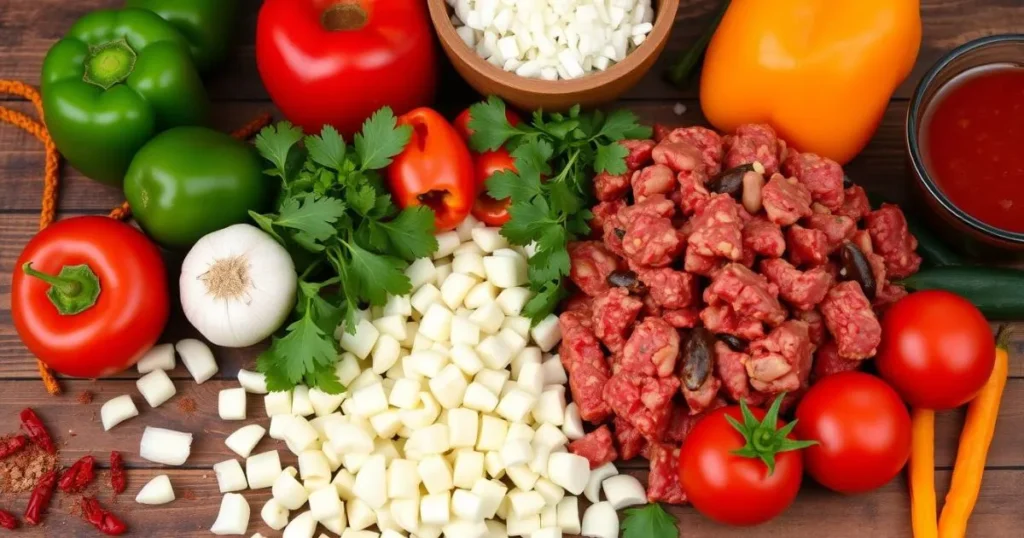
(486, 209)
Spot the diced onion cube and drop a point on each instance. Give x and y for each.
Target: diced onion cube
(371, 482)
(231, 404)
(495, 352)
(479, 398)
(592, 491)
(623, 491)
(324, 404)
(506, 271)
(550, 408)
(568, 512)
(278, 403)
(324, 504)
(117, 410)
(302, 526)
(156, 491)
(513, 300)
(516, 405)
(346, 438)
(435, 509)
(522, 476)
(482, 294)
(164, 446)
(547, 333)
(449, 387)
(263, 469)
(600, 521)
(436, 323)
(156, 387)
(466, 358)
(551, 492)
(572, 427)
(403, 480)
(233, 517)
(230, 476)
(274, 515)
(463, 427)
(489, 239)
(252, 382)
(370, 400)
(288, 491)
(435, 473)
(425, 297)
(569, 471)
(160, 357)
(488, 317)
(300, 436)
(314, 464)
(360, 515)
(361, 343)
(301, 406)
(198, 359)
(245, 439)
(420, 272)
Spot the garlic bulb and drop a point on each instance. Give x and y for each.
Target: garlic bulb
(237, 286)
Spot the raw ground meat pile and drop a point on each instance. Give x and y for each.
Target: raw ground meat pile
(722, 268)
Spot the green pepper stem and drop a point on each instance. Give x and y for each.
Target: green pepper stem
(110, 64)
(72, 291)
(66, 286)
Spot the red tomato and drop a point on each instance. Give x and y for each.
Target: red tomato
(486, 209)
(435, 170)
(732, 489)
(862, 429)
(937, 350)
(335, 63)
(81, 334)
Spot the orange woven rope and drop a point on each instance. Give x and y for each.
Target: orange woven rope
(51, 172)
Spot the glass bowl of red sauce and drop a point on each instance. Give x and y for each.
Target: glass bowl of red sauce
(965, 138)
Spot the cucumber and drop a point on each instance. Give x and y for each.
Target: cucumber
(997, 291)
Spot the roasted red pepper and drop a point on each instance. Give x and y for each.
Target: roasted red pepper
(118, 480)
(78, 475)
(12, 445)
(105, 521)
(40, 499)
(435, 170)
(8, 521)
(37, 431)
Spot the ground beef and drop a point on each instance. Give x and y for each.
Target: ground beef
(801, 289)
(779, 361)
(722, 319)
(785, 200)
(614, 313)
(807, 247)
(645, 401)
(837, 228)
(685, 318)
(828, 362)
(748, 293)
(654, 179)
(753, 143)
(851, 321)
(679, 156)
(855, 203)
(654, 206)
(586, 365)
(701, 265)
(763, 237)
(652, 241)
(587, 384)
(606, 213)
(815, 324)
(580, 303)
(730, 366)
(893, 241)
(823, 177)
(652, 349)
(663, 480)
(597, 446)
(670, 288)
(630, 442)
(718, 229)
(702, 398)
(639, 153)
(591, 265)
(608, 187)
(707, 141)
(693, 195)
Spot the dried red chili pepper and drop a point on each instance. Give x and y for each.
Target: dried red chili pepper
(78, 475)
(8, 521)
(36, 430)
(40, 499)
(118, 480)
(105, 521)
(12, 445)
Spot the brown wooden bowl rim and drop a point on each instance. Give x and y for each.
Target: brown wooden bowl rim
(664, 19)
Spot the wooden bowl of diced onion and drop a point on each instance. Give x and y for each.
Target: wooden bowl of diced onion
(592, 89)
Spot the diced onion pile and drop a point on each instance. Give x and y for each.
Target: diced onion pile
(553, 39)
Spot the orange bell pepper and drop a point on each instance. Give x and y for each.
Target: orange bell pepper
(821, 72)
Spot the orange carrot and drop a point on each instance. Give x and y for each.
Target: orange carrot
(922, 474)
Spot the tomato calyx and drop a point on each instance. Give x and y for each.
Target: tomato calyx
(344, 17)
(73, 291)
(763, 441)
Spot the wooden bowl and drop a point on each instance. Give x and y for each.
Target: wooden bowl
(596, 88)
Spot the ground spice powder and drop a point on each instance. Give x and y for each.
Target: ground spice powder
(187, 405)
(84, 397)
(20, 472)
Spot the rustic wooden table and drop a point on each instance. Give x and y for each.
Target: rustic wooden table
(29, 27)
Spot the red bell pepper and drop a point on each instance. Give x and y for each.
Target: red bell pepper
(435, 170)
(486, 209)
(335, 63)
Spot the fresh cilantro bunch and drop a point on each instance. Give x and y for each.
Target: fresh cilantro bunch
(556, 157)
(348, 239)
(651, 521)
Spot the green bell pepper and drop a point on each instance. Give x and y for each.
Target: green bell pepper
(190, 181)
(113, 82)
(206, 24)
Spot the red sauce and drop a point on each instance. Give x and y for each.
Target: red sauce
(974, 144)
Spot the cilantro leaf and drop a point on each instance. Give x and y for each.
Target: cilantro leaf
(411, 233)
(275, 144)
(325, 313)
(381, 140)
(312, 219)
(651, 521)
(266, 223)
(324, 378)
(327, 149)
(545, 301)
(489, 125)
(528, 220)
(361, 199)
(508, 184)
(532, 160)
(376, 276)
(611, 158)
(302, 348)
(623, 124)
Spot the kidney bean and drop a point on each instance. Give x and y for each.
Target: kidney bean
(735, 343)
(628, 280)
(855, 266)
(730, 181)
(698, 358)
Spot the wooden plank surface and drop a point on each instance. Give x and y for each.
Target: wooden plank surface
(28, 28)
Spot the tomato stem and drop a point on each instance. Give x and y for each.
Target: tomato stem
(763, 441)
(72, 291)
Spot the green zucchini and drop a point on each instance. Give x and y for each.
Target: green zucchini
(997, 291)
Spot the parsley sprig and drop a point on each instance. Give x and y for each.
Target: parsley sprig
(556, 157)
(651, 521)
(348, 239)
